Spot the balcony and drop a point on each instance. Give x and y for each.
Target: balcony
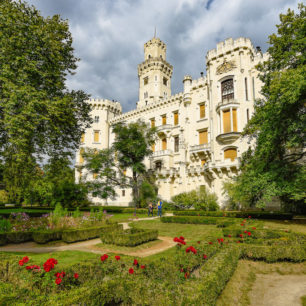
(201, 148)
(157, 154)
(226, 102)
(165, 128)
(228, 137)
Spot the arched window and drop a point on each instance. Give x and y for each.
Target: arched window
(230, 153)
(227, 90)
(149, 56)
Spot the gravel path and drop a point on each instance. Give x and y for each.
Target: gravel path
(90, 246)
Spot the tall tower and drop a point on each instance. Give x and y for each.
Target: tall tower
(154, 73)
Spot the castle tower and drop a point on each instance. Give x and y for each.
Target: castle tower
(154, 73)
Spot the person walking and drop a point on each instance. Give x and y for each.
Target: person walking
(159, 208)
(150, 209)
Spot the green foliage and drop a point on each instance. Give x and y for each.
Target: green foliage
(18, 237)
(77, 213)
(39, 115)
(42, 237)
(81, 234)
(198, 199)
(130, 237)
(130, 148)
(237, 214)
(5, 225)
(276, 167)
(3, 197)
(147, 193)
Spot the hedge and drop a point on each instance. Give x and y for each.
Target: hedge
(18, 237)
(130, 237)
(46, 236)
(255, 234)
(3, 240)
(74, 235)
(236, 214)
(198, 220)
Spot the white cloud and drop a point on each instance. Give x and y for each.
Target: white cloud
(109, 36)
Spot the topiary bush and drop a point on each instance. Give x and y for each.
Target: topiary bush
(42, 237)
(18, 237)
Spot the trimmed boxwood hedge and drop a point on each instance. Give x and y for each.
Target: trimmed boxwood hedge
(236, 214)
(74, 235)
(46, 236)
(130, 237)
(3, 240)
(255, 234)
(198, 220)
(18, 237)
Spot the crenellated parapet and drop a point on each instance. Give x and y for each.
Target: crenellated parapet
(155, 63)
(104, 104)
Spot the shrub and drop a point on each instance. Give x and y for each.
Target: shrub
(255, 234)
(19, 237)
(130, 237)
(87, 233)
(46, 236)
(5, 225)
(198, 199)
(3, 197)
(3, 239)
(190, 220)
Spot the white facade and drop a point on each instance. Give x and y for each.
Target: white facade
(199, 129)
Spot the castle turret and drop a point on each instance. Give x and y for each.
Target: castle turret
(154, 73)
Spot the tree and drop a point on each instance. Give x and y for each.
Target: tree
(131, 146)
(39, 116)
(276, 166)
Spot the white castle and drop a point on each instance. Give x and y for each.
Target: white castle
(199, 129)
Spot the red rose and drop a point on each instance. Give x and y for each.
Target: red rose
(186, 275)
(135, 263)
(131, 271)
(142, 267)
(245, 232)
(205, 256)
(29, 267)
(76, 275)
(117, 257)
(210, 242)
(249, 217)
(249, 234)
(63, 274)
(58, 281)
(238, 241)
(229, 236)
(188, 250)
(182, 270)
(104, 257)
(242, 224)
(25, 259)
(21, 262)
(254, 228)
(57, 275)
(182, 238)
(47, 268)
(199, 242)
(241, 235)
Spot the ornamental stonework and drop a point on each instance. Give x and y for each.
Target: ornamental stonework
(225, 67)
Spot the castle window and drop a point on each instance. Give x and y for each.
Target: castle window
(203, 139)
(152, 122)
(145, 81)
(149, 56)
(96, 136)
(156, 78)
(246, 88)
(123, 192)
(83, 138)
(153, 147)
(203, 162)
(253, 85)
(81, 156)
(164, 120)
(234, 112)
(227, 90)
(176, 118)
(145, 95)
(202, 111)
(158, 165)
(165, 81)
(230, 153)
(176, 143)
(230, 120)
(96, 120)
(165, 95)
(164, 144)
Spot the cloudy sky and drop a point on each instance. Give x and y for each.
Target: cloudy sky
(109, 36)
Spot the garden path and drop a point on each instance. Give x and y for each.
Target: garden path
(89, 246)
(278, 290)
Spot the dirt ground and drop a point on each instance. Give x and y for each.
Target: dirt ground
(278, 290)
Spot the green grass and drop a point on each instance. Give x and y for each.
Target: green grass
(191, 232)
(15, 210)
(303, 300)
(118, 249)
(124, 217)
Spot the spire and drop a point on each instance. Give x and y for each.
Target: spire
(155, 32)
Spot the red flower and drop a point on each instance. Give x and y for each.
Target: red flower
(229, 236)
(249, 217)
(142, 267)
(63, 274)
(210, 242)
(182, 270)
(29, 267)
(186, 275)
(58, 281)
(76, 275)
(21, 262)
(25, 259)
(131, 271)
(242, 224)
(249, 234)
(47, 268)
(182, 238)
(192, 249)
(245, 232)
(244, 220)
(117, 257)
(205, 256)
(199, 242)
(104, 257)
(238, 241)
(254, 228)
(188, 250)
(241, 235)
(135, 263)
(57, 274)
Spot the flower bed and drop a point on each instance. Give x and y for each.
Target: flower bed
(236, 214)
(130, 237)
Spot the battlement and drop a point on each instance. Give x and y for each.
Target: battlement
(101, 104)
(155, 41)
(230, 45)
